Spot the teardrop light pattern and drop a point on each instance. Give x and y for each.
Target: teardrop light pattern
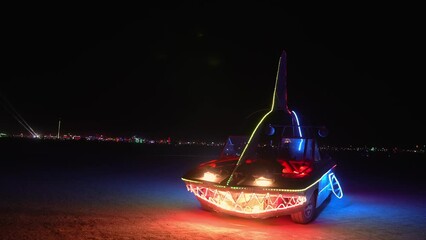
(335, 186)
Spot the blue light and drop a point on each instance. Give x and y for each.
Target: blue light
(298, 125)
(300, 144)
(300, 131)
(335, 186)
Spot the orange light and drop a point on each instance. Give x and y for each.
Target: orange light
(263, 182)
(208, 176)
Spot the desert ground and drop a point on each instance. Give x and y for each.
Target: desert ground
(128, 191)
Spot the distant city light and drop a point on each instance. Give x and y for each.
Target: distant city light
(415, 148)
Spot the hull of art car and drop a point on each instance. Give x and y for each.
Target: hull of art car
(278, 170)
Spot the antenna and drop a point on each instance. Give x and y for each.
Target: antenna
(280, 92)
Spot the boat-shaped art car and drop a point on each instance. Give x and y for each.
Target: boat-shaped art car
(278, 170)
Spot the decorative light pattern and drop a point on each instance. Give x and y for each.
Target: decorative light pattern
(300, 131)
(335, 186)
(298, 125)
(246, 203)
(257, 126)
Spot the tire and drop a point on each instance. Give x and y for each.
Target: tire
(307, 214)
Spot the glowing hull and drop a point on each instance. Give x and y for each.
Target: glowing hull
(243, 204)
(258, 202)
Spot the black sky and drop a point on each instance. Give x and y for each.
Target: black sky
(199, 70)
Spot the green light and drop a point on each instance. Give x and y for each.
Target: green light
(187, 180)
(255, 129)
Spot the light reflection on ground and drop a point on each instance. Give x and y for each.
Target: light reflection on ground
(353, 217)
(124, 210)
(135, 202)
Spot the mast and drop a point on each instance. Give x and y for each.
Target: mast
(280, 93)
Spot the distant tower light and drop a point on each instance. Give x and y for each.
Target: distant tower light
(59, 128)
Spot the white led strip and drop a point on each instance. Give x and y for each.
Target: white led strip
(246, 203)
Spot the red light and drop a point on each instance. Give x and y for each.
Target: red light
(295, 169)
(286, 167)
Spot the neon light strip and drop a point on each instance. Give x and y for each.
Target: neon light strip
(300, 190)
(300, 144)
(255, 129)
(324, 188)
(298, 125)
(245, 148)
(273, 189)
(300, 131)
(246, 203)
(187, 180)
(331, 177)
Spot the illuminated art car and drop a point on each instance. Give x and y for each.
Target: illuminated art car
(278, 170)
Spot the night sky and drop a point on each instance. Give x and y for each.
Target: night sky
(207, 70)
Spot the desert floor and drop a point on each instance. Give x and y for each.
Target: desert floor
(68, 191)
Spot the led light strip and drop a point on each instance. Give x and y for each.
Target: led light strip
(270, 189)
(339, 193)
(257, 126)
(246, 203)
(245, 148)
(324, 188)
(298, 125)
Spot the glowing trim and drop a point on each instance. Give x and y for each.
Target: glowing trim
(298, 125)
(257, 126)
(324, 188)
(248, 143)
(246, 203)
(300, 131)
(339, 193)
(272, 189)
(193, 181)
(300, 190)
(300, 144)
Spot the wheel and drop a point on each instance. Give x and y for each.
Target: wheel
(307, 214)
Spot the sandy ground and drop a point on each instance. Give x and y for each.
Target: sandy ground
(354, 217)
(83, 204)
